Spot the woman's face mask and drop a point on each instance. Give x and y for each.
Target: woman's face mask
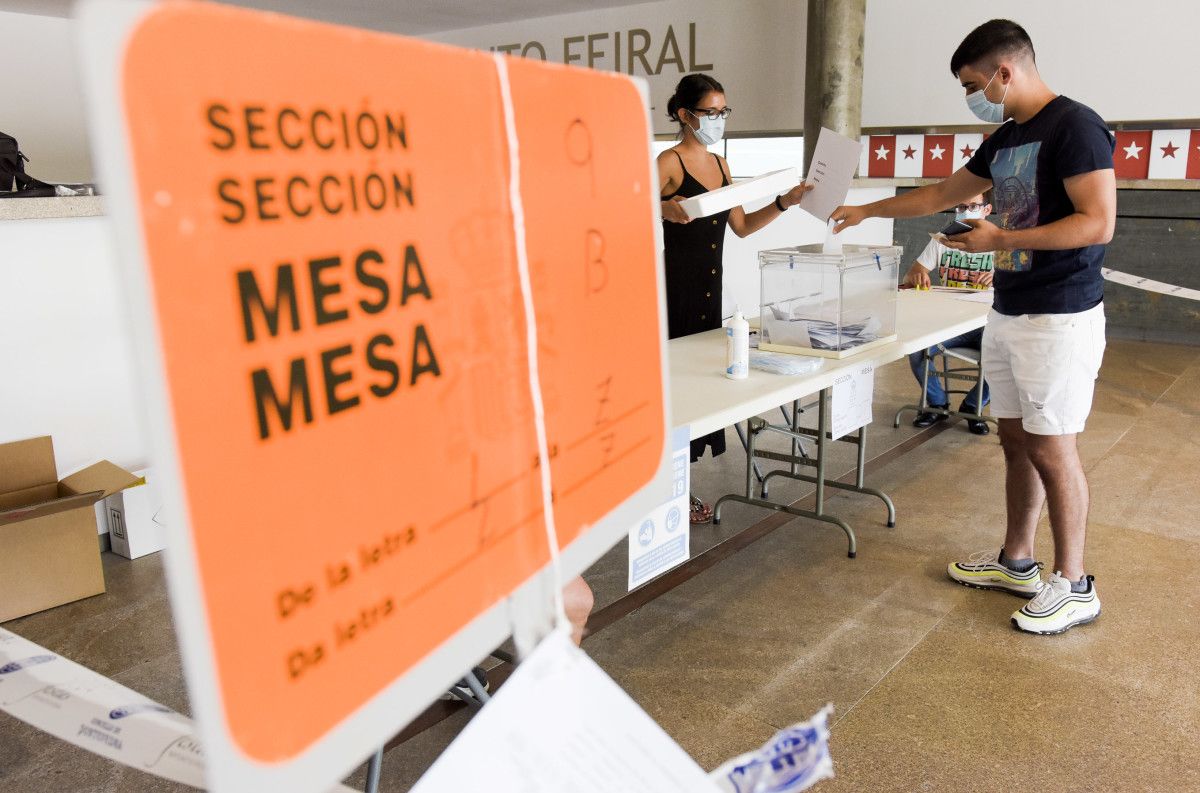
(984, 109)
(711, 130)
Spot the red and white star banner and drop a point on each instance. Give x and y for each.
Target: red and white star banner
(1140, 154)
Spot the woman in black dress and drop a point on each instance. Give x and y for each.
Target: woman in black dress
(693, 248)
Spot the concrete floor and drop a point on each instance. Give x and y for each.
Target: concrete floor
(933, 689)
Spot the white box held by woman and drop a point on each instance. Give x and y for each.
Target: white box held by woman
(743, 191)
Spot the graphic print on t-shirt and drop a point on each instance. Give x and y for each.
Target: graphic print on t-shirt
(961, 270)
(1014, 177)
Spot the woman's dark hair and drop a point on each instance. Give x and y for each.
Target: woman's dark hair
(994, 39)
(688, 93)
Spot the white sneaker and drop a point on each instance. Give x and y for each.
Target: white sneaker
(1056, 608)
(984, 571)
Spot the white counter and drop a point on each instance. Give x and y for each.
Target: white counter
(705, 400)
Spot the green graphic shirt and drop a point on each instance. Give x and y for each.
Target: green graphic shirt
(956, 268)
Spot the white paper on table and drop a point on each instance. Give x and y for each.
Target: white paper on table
(560, 724)
(853, 393)
(985, 296)
(833, 165)
(662, 540)
(743, 191)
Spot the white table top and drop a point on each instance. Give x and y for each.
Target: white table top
(705, 400)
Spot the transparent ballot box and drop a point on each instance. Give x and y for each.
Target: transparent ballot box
(830, 304)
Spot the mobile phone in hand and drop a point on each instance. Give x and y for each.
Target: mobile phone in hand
(956, 227)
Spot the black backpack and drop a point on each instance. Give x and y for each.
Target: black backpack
(12, 170)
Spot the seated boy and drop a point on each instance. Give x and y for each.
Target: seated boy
(958, 270)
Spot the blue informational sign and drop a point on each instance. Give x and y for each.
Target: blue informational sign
(663, 539)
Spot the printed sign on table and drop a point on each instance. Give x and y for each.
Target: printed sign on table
(662, 539)
(324, 252)
(853, 394)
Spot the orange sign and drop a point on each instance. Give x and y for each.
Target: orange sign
(332, 259)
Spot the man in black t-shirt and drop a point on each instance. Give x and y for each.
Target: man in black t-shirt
(1051, 169)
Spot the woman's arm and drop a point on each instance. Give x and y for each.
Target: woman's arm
(744, 224)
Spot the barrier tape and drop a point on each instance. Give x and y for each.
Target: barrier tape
(86, 709)
(1148, 285)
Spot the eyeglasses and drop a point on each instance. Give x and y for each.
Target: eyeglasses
(969, 207)
(712, 114)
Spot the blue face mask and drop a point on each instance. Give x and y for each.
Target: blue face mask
(711, 130)
(976, 214)
(984, 109)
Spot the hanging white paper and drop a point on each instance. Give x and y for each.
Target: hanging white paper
(561, 724)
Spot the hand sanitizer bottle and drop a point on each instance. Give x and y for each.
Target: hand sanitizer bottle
(737, 347)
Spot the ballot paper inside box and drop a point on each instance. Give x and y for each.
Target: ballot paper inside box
(828, 304)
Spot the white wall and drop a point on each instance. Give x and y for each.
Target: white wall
(42, 102)
(1128, 61)
(65, 344)
(756, 49)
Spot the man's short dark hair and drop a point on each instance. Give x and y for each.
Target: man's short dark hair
(988, 43)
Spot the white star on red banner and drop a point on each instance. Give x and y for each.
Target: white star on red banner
(1138, 154)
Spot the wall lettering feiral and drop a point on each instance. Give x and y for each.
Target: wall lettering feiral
(633, 51)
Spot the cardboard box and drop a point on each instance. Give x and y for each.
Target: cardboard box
(49, 553)
(133, 519)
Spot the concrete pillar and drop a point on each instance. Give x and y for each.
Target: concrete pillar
(834, 70)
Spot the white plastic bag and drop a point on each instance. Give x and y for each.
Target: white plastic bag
(784, 363)
(795, 759)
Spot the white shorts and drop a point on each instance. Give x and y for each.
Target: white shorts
(1042, 368)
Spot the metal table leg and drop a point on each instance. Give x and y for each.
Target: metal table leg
(858, 487)
(476, 686)
(745, 445)
(374, 771)
(793, 419)
(754, 427)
